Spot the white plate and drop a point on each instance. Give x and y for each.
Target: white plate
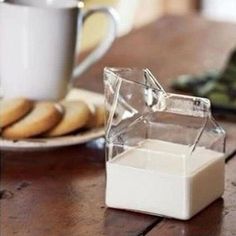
(46, 143)
(68, 140)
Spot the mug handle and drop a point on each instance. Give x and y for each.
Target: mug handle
(103, 47)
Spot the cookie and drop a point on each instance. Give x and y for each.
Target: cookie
(43, 117)
(12, 110)
(76, 116)
(98, 117)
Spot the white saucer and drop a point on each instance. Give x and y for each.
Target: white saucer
(46, 143)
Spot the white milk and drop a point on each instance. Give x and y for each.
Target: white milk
(152, 178)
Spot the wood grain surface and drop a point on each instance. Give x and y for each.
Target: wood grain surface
(61, 192)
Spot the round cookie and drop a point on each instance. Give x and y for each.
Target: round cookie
(43, 117)
(98, 117)
(12, 110)
(76, 116)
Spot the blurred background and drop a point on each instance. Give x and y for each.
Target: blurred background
(136, 13)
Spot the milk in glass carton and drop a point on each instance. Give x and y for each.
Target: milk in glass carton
(164, 152)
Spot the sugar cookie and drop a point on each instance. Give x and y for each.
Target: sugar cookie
(12, 110)
(76, 116)
(43, 117)
(98, 117)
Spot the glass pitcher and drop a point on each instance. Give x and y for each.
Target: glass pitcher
(164, 152)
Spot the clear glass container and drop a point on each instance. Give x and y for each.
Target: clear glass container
(164, 152)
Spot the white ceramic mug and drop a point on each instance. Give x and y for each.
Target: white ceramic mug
(37, 46)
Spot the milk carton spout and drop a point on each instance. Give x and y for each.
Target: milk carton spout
(129, 93)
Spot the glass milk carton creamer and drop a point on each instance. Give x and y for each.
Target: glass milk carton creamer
(164, 152)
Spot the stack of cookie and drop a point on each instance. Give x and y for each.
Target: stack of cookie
(21, 118)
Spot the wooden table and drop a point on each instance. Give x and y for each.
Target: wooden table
(61, 192)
